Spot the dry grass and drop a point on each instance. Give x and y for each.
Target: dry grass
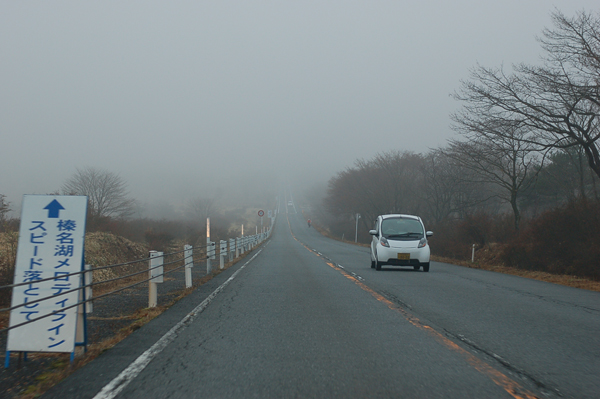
(103, 249)
(8, 253)
(323, 231)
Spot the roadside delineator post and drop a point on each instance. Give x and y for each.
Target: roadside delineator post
(156, 275)
(87, 280)
(211, 252)
(222, 253)
(189, 263)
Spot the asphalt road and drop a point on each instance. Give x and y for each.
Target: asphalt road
(306, 317)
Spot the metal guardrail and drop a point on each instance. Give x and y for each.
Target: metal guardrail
(240, 245)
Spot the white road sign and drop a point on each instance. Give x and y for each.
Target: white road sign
(50, 245)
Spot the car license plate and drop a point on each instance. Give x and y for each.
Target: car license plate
(404, 256)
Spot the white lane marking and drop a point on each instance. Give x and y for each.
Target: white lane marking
(121, 381)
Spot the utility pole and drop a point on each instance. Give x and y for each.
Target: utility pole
(356, 231)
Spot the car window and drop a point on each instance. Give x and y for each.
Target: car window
(402, 229)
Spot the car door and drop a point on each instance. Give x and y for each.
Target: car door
(374, 241)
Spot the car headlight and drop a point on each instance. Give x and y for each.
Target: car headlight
(422, 242)
(383, 241)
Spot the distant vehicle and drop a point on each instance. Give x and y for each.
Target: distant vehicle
(290, 203)
(400, 240)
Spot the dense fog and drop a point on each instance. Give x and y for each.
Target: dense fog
(228, 100)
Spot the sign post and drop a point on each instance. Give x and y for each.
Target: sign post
(208, 267)
(51, 243)
(261, 213)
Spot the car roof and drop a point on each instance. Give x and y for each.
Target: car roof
(400, 215)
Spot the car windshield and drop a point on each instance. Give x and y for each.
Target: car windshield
(402, 229)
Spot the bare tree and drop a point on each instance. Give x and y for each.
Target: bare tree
(355, 190)
(106, 191)
(402, 179)
(506, 162)
(201, 208)
(555, 105)
(447, 187)
(4, 209)
(389, 183)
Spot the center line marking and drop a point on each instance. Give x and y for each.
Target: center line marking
(511, 387)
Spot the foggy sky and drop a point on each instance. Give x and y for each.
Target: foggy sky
(181, 97)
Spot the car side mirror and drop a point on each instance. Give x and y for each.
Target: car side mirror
(373, 232)
(429, 233)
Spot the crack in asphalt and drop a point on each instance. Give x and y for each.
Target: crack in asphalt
(505, 363)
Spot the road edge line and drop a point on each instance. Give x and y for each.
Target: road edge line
(121, 381)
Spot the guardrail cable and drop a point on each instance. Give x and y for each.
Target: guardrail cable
(94, 269)
(84, 286)
(81, 302)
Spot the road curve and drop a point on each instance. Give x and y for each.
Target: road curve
(308, 318)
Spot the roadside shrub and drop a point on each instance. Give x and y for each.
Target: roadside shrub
(158, 240)
(565, 240)
(103, 249)
(454, 238)
(8, 255)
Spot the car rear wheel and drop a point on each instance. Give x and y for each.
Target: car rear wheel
(416, 267)
(372, 264)
(377, 265)
(426, 267)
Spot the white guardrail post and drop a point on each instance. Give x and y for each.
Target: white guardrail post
(156, 275)
(189, 263)
(87, 281)
(210, 255)
(222, 253)
(231, 248)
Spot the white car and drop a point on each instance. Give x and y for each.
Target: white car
(400, 240)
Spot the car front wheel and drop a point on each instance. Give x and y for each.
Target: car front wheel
(377, 265)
